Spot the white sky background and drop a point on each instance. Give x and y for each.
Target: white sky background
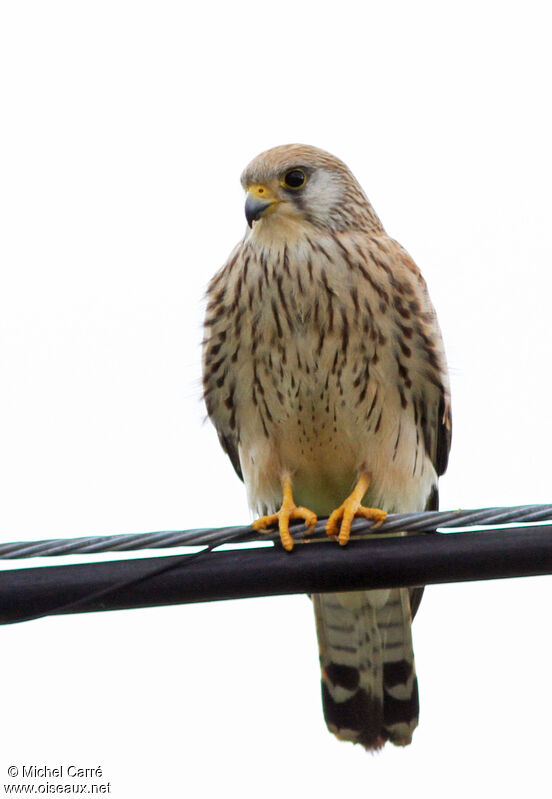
(125, 127)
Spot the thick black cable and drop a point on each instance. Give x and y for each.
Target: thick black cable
(385, 561)
(90, 598)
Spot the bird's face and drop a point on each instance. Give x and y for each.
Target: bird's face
(297, 185)
(293, 192)
(288, 188)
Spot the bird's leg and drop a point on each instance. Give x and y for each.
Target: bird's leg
(351, 508)
(288, 511)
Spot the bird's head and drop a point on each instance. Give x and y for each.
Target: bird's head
(296, 184)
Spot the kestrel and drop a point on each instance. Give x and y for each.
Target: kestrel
(326, 380)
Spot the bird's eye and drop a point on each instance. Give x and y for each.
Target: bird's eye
(294, 179)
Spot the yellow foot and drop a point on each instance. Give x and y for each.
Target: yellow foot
(351, 508)
(287, 512)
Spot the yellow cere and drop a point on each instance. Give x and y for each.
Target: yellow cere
(262, 192)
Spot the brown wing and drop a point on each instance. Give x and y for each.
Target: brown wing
(229, 445)
(444, 436)
(440, 460)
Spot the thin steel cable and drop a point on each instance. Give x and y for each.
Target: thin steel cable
(407, 522)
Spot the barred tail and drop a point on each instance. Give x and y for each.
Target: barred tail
(369, 685)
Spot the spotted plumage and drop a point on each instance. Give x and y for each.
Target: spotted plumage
(324, 369)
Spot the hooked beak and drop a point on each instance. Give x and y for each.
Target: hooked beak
(259, 200)
(254, 208)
